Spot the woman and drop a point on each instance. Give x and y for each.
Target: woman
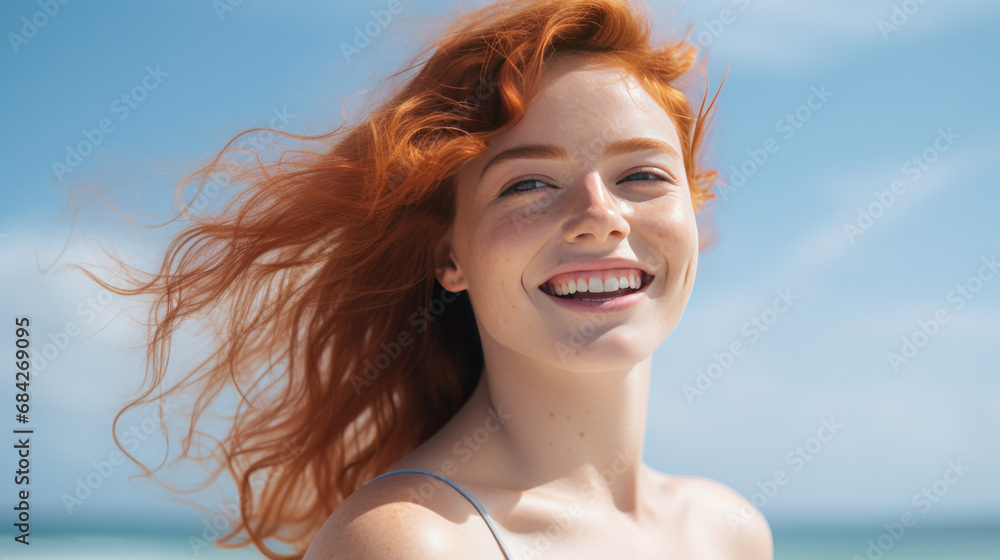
(468, 288)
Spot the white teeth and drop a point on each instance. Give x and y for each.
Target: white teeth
(632, 281)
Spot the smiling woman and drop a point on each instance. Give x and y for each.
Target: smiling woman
(467, 291)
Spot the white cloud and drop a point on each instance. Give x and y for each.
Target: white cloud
(779, 34)
(81, 332)
(815, 250)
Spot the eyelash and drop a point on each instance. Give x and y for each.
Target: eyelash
(512, 188)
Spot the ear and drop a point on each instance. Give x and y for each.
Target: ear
(448, 272)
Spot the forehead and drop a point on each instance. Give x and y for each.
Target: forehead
(582, 104)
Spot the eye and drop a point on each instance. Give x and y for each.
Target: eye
(513, 189)
(655, 177)
(637, 176)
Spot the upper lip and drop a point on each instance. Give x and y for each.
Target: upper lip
(594, 265)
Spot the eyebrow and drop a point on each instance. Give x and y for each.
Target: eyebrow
(548, 151)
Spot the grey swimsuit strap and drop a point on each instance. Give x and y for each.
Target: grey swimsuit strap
(486, 517)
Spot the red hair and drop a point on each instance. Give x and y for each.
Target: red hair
(324, 265)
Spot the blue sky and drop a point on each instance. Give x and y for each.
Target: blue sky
(874, 208)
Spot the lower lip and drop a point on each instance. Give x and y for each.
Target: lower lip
(616, 304)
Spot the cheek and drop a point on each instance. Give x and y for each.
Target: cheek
(496, 256)
(525, 217)
(507, 239)
(672, 227)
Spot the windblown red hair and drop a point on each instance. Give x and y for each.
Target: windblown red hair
(323, 260)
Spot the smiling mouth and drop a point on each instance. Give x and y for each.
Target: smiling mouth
(646, 279)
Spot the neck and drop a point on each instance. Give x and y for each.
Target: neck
(573, 432)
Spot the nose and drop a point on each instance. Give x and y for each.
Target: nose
(596, 213)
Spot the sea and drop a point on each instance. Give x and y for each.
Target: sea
(789, 544)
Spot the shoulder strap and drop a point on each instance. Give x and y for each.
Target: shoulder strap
(482, 512)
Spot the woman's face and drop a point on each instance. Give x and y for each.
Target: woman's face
(527, 216)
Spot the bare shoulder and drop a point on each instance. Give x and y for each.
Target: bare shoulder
(724, 520)
(389, 519)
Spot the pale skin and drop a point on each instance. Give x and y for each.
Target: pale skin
(562, 476)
